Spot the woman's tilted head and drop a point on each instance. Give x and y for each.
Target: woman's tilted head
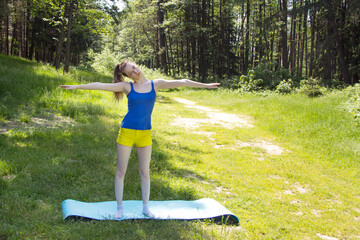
(119, 71)
(128, 69)
(119, 76)
(132, 71)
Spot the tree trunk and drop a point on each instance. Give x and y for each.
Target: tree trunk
(22, 33)
(222, 39)
(178, 61)
(16, 30)
(298, 70)
(157, 50)
(331, 4)
(188, 38)
(59, 45)
(68, 37)
(292, 39)
(283, 32)
(171, 57)
(312, 42)
(304, 40)
(203, 43)
(328, 50)
(247, 42)
(28, 31)
(162, 37)
(193, 56)
(7, 35)
(261, 33)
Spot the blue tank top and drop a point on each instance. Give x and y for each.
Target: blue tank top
(140, 107)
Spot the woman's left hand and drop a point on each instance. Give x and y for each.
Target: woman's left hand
(212, 85)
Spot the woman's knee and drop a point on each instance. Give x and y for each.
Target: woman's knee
(144, 174)
(120, 174)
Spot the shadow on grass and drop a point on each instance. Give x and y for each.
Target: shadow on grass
(45, 166)
(23, 83)
(77, 162)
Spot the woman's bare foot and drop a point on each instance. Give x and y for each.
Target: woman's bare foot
(147, 212)
(119, 212)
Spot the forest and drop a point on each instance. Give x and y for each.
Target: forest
(264, 41)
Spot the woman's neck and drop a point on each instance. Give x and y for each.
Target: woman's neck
(141, 80)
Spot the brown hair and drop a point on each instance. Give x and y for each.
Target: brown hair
(119, 77)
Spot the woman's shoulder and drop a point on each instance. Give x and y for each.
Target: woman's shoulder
(157, 83)
(125, 86)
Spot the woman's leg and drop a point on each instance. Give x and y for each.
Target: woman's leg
(144, 156)
(123, 155)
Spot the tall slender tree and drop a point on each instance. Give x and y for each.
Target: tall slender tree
(162, 36)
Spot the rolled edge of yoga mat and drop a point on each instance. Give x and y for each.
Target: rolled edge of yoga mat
(201, 209)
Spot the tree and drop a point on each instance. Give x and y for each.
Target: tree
(283, 32)
(61, 38)
(162, 37)
(71, 6)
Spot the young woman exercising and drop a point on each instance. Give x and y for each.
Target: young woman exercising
(136, 125)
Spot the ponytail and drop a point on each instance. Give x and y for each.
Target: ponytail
(119, 77)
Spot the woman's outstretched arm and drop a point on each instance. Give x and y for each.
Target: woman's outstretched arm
(163, 84)
(113, 87)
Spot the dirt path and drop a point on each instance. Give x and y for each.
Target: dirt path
(226, 120)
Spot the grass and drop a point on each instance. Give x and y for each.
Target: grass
(310, 190)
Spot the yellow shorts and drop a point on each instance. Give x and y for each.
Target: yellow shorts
(129, 137)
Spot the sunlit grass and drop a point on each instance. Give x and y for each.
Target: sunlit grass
(311, 188)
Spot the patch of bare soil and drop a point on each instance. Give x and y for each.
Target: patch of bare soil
(225, 120)
(50, 121)
(267, 146)
(214, 116)
(297, 189)
(322, 236)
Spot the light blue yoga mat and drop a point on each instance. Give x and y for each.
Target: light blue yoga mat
(163, 210)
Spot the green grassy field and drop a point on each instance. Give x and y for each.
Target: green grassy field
(58, 144)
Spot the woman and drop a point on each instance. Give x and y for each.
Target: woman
(136, 125)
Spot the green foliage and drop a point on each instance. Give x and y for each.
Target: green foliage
(353, 104)
(248, 83)
(311, 87)
(271, 74)
(134, 38)
(263, 77)
(285, 86)
(103, 62)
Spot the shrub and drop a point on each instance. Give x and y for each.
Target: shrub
(103, 62)
(353, 104)
(285, 86)
(311, 87)
(265, 76)
(231, 82)
(270, 74)
(248, 83)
